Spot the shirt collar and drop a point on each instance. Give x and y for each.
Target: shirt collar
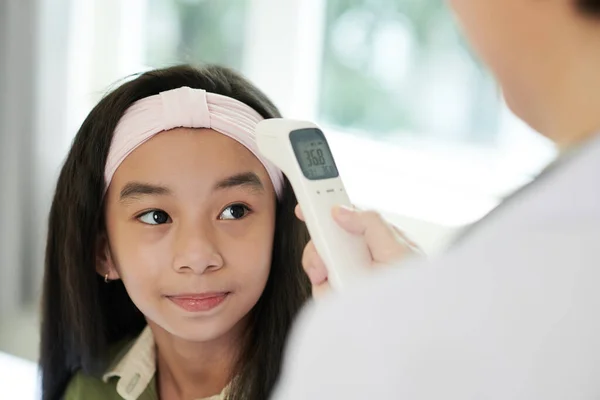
(137, 367)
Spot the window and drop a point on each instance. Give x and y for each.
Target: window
(397, 68)
(195, 31)
(398, 78)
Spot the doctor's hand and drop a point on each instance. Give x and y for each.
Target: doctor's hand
(387, 244)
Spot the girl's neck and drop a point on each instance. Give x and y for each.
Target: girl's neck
(192, 370)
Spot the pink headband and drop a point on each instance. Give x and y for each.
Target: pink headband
(189, 108)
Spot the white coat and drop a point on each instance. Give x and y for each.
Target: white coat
(511, 312)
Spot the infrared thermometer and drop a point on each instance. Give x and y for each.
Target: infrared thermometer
(302, 153)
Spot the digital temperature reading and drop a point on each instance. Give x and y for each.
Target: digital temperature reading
(313, 154)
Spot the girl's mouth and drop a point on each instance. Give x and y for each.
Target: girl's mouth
(199, 302)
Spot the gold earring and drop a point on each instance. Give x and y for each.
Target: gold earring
(106, 278)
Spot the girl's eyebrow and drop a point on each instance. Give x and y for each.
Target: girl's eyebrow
(244, 179)
(136, 189)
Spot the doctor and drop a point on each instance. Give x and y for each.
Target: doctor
(512, 311)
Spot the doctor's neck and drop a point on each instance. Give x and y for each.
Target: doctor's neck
(573, 104)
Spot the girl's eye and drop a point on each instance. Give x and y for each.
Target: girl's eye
(155, 217)
(234, 211)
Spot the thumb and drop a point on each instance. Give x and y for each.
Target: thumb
(384, 242)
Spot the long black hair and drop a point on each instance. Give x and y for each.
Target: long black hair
(591, 7)
(82, 316)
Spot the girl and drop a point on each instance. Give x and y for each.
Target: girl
(173, 262)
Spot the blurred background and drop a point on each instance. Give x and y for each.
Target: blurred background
(418, 127)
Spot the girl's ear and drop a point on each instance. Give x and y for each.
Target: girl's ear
(105, 265)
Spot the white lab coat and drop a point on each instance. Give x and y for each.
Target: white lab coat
(512, 312)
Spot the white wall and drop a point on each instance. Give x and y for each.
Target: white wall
(17, 94)
(33, 78)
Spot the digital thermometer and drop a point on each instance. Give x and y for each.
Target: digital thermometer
(302, 153)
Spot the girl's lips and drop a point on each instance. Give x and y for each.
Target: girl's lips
(199, 302)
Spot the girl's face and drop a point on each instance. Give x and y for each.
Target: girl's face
(190, 218)
(523, 43)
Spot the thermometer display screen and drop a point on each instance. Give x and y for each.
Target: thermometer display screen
(313, 154)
